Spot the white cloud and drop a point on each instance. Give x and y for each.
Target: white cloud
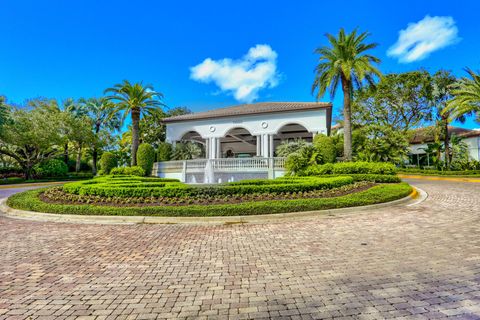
(418, 40)
(244, 77)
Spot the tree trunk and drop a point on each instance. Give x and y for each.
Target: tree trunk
(446, 142)
(65, 153)
(79, 158)
(27, 171)
(94, 160)
(347, 120)
(135, 135)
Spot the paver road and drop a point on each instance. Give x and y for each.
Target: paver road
(415, 262)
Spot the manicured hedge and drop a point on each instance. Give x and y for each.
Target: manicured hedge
(146, 158)
(110, 187)
(29, 200)
(378, 178)
(129, 171)
(108, 161)
(348, 168)
(439, 172)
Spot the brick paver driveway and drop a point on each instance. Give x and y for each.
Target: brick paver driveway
(421, 261)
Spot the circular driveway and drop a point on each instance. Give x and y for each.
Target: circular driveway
(419, 261)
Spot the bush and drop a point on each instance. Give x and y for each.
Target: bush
(351, 168)
(439, 172)
(326, 148)
(146, 157)
(29, 200)
(298, 161)
(108, 161)
(164, 152)
(128, 171)
(51, 168)
(156, 187)
(288, 147)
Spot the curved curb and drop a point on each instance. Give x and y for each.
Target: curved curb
(415, 197)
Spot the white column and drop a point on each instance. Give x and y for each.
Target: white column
(265, 145)
(207, 148)
(259, 146)
(270, 144)
(213, 148)
(219, 149)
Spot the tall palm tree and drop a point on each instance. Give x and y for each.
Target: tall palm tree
(466, 100)
(134, 99)
(100, 111)
(345, 62)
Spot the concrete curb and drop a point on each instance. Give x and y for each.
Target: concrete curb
(415, 197)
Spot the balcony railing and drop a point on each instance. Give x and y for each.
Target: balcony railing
(220, 165)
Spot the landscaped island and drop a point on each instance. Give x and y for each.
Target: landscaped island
(322, 187)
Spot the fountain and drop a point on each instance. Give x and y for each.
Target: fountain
(209, 176)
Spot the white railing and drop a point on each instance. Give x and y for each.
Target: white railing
(222, 164)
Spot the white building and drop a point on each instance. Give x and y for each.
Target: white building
(240, 141)
(423, 136)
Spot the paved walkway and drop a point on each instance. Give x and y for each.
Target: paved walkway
(416, 262)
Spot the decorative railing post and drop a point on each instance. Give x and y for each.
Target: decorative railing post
(184, 171)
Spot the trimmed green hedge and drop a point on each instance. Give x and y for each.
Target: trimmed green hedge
(439, 172)
(348, 168)
(129, 171)
(107, 162)
(29, 200)
(131, 187)
(146, 158)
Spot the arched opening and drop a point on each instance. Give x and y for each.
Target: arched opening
(291, 132)
(190, 146)
(238, 143)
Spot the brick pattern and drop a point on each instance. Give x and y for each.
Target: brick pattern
(411, 262)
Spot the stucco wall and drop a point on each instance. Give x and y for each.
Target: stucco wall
(314, 121)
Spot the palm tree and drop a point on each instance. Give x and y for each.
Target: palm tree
(345, 61)
(134, 99)
(100, 111)
(466, 100)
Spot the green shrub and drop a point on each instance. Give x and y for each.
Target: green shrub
(164, 152)
(351, 168)
(129, 171)
(29, 200)
(298, 161)
(146, 157)
(439, 172)
(287, 147)
(326, 148)
(108, 161)
(136, 187)
(51, 168)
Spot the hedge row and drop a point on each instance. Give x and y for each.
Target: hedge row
(378, 178)
(108, 187)
(351, 168)
(29, 200)
(439, 172)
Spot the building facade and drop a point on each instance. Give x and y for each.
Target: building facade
(239, 142)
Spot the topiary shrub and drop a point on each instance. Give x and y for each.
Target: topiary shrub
(326, 148)
(164, 152)
(351, 168)
(108, 161)
(51, 168)
(146, 157)
(129, 171)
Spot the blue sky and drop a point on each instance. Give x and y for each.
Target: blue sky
(63, 49)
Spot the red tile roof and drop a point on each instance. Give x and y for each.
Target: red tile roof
(250, 109)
